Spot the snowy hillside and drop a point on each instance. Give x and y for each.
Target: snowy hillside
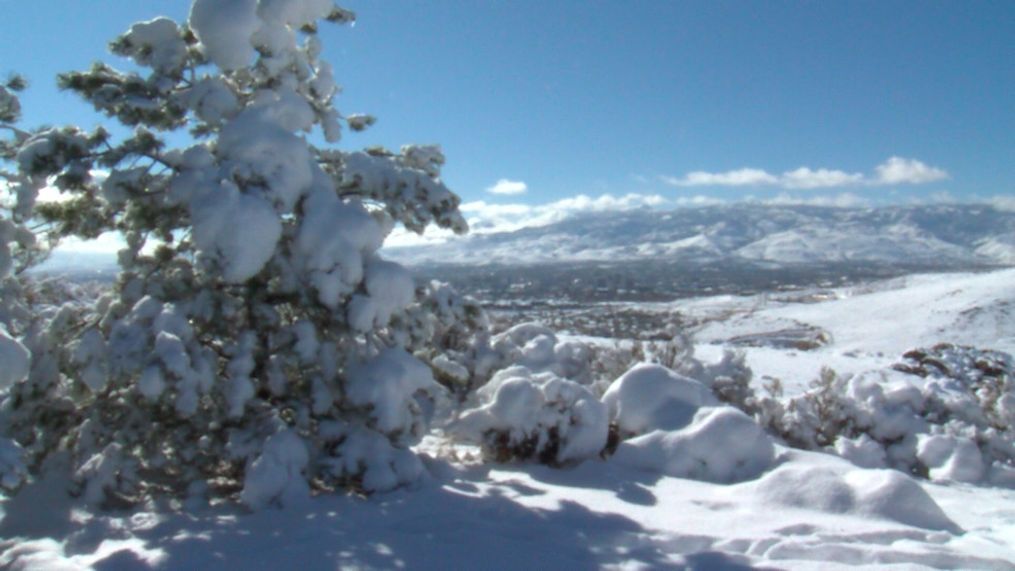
(939, 235)
(866, 326)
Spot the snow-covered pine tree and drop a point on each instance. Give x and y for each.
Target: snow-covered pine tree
(256, 343)
(20, 247)
(22, 330)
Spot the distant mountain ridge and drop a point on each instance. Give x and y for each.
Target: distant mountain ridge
(931, 235)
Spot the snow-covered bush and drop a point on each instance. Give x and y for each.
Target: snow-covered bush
(651, 397)
(983, 380)
(540, 403)
(729, 379)
(673, 424)
(540, 400)
(538, 349)
(539, 416)
(945, 413)
(256, 343)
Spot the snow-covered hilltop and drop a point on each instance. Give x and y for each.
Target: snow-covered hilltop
(932, 235)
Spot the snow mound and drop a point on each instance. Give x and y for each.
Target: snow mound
(818, 489)
(651, 397)
(951, 458)
(721, 444)
(886, 494)
(893, 495)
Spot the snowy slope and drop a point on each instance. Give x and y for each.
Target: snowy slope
(814, 243)
(870, 326)
(940, 235)
(1000, 248)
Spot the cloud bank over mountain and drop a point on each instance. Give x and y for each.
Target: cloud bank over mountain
(895, 170)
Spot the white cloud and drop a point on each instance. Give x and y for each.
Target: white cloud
(400, 237)
(942, 197)
(487, 218)
(505, 186)
(699, 200)
(804, 177)
(895, 170)
(739, 177)
(1002, 202)
(585, 203)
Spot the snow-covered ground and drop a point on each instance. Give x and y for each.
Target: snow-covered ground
(813, 511)
(807, 510)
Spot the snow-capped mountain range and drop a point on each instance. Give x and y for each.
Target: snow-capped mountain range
(927, 235)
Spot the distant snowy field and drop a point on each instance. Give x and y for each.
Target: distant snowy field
(806, 511)
(870, 326)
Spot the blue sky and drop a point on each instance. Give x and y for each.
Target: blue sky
(671, 99)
